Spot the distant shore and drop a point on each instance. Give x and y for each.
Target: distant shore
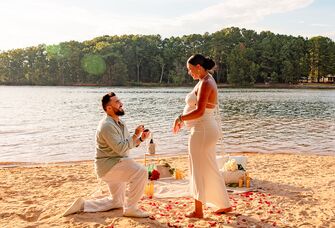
(220, 85)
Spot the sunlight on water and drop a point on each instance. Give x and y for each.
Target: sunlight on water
(42, 124)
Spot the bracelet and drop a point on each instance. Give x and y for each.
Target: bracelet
(141, 139)
(179, 118)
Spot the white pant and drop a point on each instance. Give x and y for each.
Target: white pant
(127, 170)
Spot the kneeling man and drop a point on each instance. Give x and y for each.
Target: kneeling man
(113, 165)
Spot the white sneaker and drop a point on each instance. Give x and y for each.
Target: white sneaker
(136, 213)
(76, 206)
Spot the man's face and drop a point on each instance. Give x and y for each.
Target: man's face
(115, 106)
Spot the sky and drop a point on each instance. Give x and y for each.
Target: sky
(25, 23)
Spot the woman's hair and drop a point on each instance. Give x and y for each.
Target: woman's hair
(206, 63)
(105, 99)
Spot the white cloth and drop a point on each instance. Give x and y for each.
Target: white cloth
(125, 171)
(191, 103)
(172, 188)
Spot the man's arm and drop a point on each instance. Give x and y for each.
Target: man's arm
(114, 140)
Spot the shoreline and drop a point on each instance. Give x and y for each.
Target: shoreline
(219, 85)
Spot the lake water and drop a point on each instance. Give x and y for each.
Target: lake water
(49, 124)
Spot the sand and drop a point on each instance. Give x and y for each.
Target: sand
(290, 191)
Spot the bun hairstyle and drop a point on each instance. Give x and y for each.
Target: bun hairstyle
(203, 61)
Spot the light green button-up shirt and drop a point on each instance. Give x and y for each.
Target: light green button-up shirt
(113, 142)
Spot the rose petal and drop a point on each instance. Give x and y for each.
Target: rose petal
(212, 223)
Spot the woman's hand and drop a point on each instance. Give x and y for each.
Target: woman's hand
(177, 125)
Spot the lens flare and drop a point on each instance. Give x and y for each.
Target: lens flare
(93, 64)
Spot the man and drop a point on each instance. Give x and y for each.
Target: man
(113, 165)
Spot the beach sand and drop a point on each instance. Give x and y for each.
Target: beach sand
(291, 191)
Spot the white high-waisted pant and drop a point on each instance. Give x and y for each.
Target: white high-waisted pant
(127, 170)
(206, 183)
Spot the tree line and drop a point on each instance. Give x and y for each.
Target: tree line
(243, 57)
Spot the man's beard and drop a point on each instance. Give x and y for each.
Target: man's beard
(119, 113)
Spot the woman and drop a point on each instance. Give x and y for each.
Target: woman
(207, 184)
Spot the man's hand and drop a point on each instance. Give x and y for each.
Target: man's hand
(139, 130)
(145, 134)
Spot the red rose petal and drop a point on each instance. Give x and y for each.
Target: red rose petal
(212, 223)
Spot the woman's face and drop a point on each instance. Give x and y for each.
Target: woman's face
(193, 71)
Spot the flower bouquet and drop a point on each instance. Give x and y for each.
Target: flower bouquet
(153, 173)
(232, 172)
(165, 170)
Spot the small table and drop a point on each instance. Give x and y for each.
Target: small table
(150, 156)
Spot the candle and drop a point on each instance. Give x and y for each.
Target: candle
(240, 182)
(247, 184)
(146, 189)
(178, 174)
(149, 189)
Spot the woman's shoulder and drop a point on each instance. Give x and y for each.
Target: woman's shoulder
(208, 83)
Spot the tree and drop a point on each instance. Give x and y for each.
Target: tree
(320, 51)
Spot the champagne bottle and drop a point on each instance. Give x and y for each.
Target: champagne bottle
(152, 146)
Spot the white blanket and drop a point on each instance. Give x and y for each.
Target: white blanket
(170, 187)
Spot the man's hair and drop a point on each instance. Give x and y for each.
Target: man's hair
(105, 99)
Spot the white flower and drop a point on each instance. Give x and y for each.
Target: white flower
(230, 165)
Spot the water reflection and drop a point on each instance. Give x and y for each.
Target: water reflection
(58, 123)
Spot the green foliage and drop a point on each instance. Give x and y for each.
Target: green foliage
(93, 64)
(243, 57)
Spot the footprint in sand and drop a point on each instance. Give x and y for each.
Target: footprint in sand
(31, 214)
(331, 183)
(28, 202)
